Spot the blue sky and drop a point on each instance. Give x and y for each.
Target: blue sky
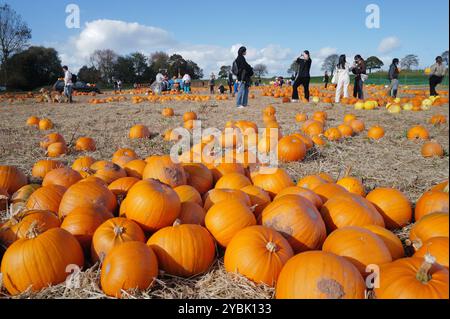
(209, 31)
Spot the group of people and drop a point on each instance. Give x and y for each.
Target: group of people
(163, 83)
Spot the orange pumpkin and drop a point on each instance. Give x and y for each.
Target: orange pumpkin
(85, 144)
(352, 184)
(273, 182)
(345, 130)
(311, 182)
(64, 176)
(139, 131)
(303, 192)
(189, 116)
(392, 242)
(358, 126)
(418, 132)
(216, 196)
(50, 139)
(57, 149)
(333, 134)
(199, 177)
(259, 198)
(135, 168)
(291, 149)
(429, 226)
(432, 149)
(165, 170)
(167, 112)
(187, 193)
(329, 190)
(191, 213)
(437, 247)
(122, 186)
(45, 124)
(234, 181)
(41, 168)
(431, 202)
(46, 198)
(33, 121)
(376, 132)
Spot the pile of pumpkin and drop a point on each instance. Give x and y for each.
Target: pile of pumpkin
(143, 218)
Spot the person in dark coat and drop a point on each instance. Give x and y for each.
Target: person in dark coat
(230, 82)
(393, 77)
(326, 79)
(303, 76)
(359, 70)
(244, 77)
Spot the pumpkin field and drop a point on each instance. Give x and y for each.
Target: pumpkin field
(93, 206)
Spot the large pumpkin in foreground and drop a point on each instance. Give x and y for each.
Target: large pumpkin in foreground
(162, 168)
(11, 179)
(319, 275)
(258, 253)
(26, 262)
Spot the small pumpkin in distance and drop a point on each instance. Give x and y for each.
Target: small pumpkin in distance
(57, 150)
(139, 131)
(418, 132)
(33, 121)
(432, 149)
(376, 132)
(85, 144)
(45, 124)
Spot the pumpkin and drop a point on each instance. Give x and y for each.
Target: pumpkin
(301, 117)
(429, 226)
(352, 184)
(358, 126)
(432, 149)
(55, 247)
(320, 116)
(345, 130)
(438, 119)
(167, 112)
(57, 150)
(189, 116)
(298, 220)
(319, 275)
(191, 213)
(258, 253)
(333, 134)
(122, 186)
(33, 121)
(135, 168)
(376, 132)
(45, 124)
(329, 190)
(437, 247)
(273, 182)
(291, 149)
(359, 246)
(64, 176)
(418, 132)
(123, 153)
(259, 198)
(234, 181)
(41, 168)
(199, 177)
(303, 192)
(441, 187)
(123, 161)
(350, 210)
(318, 140)
(228, 217)
(151, 204)
(413, 278)
(312, 127)
(82, 165)
(392, 242)
(85, 144)
(393, 205)
(311, 182)
(139, 131)
(187, 193)
(224, 168)
(4, 196)
(87, 193)
(270, 110)
(309, 143)
(431, 202)
(50, 139)
(129, 266)
(22, 195)
(163, 169)
(46, 198)
(11, 179)
(112, 233)
(216, 196)
(327, 177)
(348, 118)
(183, 250)
(110, 173)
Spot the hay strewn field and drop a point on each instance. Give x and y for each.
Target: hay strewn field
(391, 162)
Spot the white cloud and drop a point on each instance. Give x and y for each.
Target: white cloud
(389, 44)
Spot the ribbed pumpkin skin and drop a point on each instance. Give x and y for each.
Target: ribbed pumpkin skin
(163, 169)
(353, 185)
(122, 185)
(258, 253)
(184, 250)
(319, 275)
(192, 213)
(431, 202)
(11, 179)
(41, 168)
(199, 177)
(398, 281)
(187, 193)
(112, 233)
(234, 181)
(46, 198)
(64, 176)
(437, 247)
(298, 220)
(259, 198)
(87, 193)
(82, 222)
(349, 210)
(152, 205)
(216, 196)
(226, 168)
(129, 266)
(359, 246)
(110, 173)
(227, 218)
(26, 262)
(83, 164)
(23, 194)
(393, 205)
(303, 192)
(429, 226)
(311, 182)
(392, 242)
(329, 190)
(273, 183)
(135, 168)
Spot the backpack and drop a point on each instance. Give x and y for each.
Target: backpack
(235, 68)
(74, 78)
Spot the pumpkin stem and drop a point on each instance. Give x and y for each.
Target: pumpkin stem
(423, 274)
(272, 247)
(118, 230)
(177, 222)
(33, 231)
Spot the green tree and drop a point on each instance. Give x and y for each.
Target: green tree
(224, 71)
(194, 70)
(140, 66)
(293, 68)
(373, 63)
(89, 74)
(124, 70)
(177, 65)
(159, 61)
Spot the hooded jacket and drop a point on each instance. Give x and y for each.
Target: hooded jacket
(304, 68)
(245, 70)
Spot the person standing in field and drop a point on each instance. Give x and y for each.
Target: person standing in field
(212, 83)
(187, 83)
(326, 79)
(393, 77)
(244, 77)
(230, 82)
(68, 84)
(342, 78)
(438, 71)
(359, 70)
(303, 77)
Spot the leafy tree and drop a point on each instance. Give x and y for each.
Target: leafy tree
(194, 70)
(445, 57)
(104, 61)
(260, 70)
(409, 61)
(159, 61)
(330, 63)
(177, 65)
(89, 74)
(124, 69)
(140, 66)
(34, 67)
(14, 37)
(224, 71)
(373, 63)
(293, 68)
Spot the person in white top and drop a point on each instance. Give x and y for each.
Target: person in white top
(68, 85)
(187, 83)
(342, 78)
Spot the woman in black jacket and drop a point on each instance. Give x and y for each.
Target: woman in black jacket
(244, 76)
(359, 70)
(303, 76)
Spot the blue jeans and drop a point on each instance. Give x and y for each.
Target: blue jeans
(242, 96)
(68, 92)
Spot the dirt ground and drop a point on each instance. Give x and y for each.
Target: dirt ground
(391, 162)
